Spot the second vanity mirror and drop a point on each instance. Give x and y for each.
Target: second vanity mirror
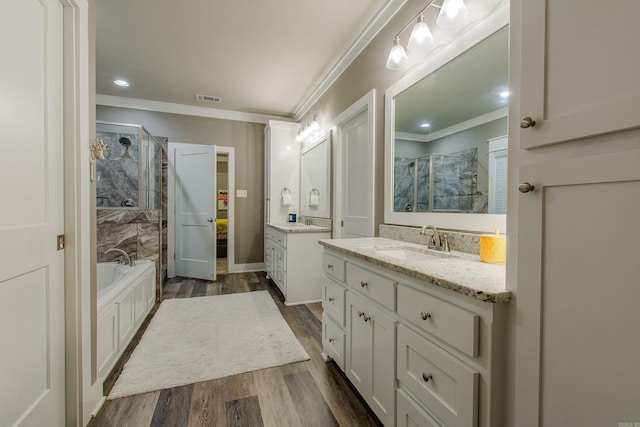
(315, 175)
(446, 143)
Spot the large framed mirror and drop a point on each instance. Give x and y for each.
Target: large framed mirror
(446, 136)
(315, 176)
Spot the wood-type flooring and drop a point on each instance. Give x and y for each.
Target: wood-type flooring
(311, 393)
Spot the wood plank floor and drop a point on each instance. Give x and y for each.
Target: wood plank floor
(311, 393)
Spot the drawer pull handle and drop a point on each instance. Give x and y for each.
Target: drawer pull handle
(330, 266)
(331, 299)
(331, 340)
(360, 314)
(363, 284)
(425, 315)
(366, 318)
(426, 377)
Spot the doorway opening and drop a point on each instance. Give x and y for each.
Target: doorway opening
(222, 211)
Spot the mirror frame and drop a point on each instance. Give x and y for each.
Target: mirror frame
(446, 220)
(317, 213)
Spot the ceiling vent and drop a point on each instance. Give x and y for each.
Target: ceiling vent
(208, 98)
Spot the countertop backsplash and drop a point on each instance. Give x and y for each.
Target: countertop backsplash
(458, 241)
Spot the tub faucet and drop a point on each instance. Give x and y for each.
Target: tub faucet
(435, 242)
(128, 260)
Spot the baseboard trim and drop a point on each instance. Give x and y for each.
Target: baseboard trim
(247, 268)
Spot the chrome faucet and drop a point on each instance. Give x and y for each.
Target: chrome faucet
(128, 260)
(436, 241)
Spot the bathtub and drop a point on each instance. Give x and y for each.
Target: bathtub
(125, 296)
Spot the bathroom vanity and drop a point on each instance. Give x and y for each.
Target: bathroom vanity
(292, 260)
(419, 333)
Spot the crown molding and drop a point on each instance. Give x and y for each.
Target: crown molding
(188, 110)
(368, 34)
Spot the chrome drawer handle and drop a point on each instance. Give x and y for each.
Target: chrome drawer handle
(331, 340)
(363, 284)
(330, 266)
(426, 377)
(331, 299)
(425, 315)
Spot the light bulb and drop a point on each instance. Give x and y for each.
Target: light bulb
(419, 36)
(452, 13)
(396, 55)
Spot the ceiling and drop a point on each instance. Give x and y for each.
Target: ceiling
(262, 57)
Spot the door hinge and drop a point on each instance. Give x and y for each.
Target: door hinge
(174, 255)
(341, 223)
(60, 242)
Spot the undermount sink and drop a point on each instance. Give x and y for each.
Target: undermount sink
(412, 254)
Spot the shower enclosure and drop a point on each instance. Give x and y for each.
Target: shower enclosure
(130, 174)
(438, 182)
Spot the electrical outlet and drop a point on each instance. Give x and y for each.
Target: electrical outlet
(241, 193)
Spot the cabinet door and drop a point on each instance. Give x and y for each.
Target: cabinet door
(579, 68)
(371, 355)
(359, 345)
(578, 290)
(125, 319)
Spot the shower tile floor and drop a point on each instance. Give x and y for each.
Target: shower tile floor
(311, 393)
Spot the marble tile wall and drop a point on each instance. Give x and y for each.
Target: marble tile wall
(458, 241)
(135, 231)
(118, 177)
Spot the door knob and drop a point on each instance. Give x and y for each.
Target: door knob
(527, 122)
(210, 219)
(525, 187)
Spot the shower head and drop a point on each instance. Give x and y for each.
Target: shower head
(126, 143)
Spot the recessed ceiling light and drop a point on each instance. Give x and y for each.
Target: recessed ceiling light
(120, 82)
(425, 125)
(504, 94)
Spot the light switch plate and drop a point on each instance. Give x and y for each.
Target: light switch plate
(241, 193)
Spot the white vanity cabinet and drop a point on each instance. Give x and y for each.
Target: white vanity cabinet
(292, 261)
(419, 355)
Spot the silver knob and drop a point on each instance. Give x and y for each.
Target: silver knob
(425, 315)
(210, 219)
(363, 284)
(360, 314)
(331, 299)
(331, 339)
(330, 266)
(366, 318)
(525, 187)
(426, 377)
(527, 122)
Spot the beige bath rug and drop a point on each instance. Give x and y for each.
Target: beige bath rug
(198, 339)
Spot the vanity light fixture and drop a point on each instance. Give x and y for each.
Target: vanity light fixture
(121, 83)
(452, 13)
(309, 132)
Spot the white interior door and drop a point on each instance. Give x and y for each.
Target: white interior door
(356, 212)
(195, 185)
(32, 359)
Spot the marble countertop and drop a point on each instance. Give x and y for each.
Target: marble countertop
(463, 273)
(297, 227)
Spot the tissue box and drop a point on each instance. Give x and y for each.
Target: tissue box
(493, 249)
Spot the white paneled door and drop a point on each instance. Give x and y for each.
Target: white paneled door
(195, 187)
(32, 359)
(357, 178)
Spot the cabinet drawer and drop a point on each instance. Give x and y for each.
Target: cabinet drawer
(442, 383)
(376, 287)
(410, 414)
(450, 323)
(333, 301)
(279, 238)
(281, 259)
(333, 266)
(333, 340)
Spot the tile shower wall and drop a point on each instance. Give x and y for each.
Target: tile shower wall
(136, 232)
(118, 176)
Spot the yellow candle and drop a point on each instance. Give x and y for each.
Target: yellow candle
(493, 248)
